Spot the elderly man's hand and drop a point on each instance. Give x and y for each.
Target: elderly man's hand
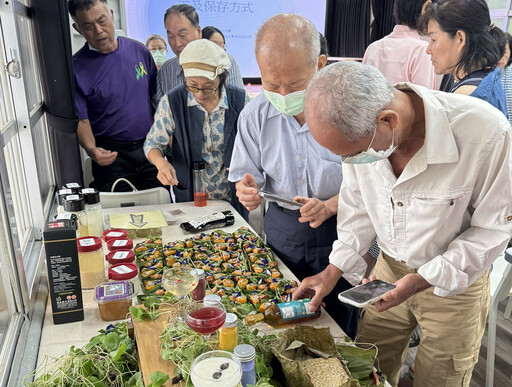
(102, 156)
(247, 192)
(406, 287)
(314, 211)
(166, 173)
(318, 286)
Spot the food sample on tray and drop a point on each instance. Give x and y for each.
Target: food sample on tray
(239, 267)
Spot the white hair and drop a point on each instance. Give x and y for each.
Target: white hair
(349, 96)
(290, 30)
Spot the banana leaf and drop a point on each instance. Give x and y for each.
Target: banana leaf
(360, 361)
(309, 355)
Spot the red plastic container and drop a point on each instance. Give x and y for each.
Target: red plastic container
(122, 272)
(125, 272)
(120, 244)
(114, 233)
(120, 256)
(88, 244)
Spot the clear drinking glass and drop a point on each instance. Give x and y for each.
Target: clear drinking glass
(205, 318)
(180, 281)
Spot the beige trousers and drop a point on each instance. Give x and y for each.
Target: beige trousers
(451, 330)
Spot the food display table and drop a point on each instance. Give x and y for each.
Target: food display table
(57, 339)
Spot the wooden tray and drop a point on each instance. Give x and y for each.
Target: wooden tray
(147, 338)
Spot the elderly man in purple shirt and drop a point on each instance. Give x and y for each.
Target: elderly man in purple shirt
(115, 79)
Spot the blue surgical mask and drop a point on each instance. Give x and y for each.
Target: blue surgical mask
(371, 155)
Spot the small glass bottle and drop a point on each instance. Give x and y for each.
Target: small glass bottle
(246, 354)
(228, 333)
(198, 175)
(93, 210)
(75, 204)
(60, 198)
(200, 290)
(284, 313)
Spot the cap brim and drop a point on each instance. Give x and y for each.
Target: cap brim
(192, 72)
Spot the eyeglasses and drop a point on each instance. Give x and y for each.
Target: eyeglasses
(207, 90)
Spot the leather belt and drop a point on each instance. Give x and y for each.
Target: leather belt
(287, 211)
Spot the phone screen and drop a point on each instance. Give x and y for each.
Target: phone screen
(363, 293)
(279, 199)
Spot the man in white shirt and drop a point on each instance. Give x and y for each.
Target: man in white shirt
(428, 173)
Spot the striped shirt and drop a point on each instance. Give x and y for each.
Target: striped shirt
(506, 79)
(171, 75)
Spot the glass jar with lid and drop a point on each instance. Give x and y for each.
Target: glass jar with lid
(93, 211)
(211, 300)
(92, 261)
(200, 290)
(114, 233)
(246, 354)
(120, 244)
(75, 187)
(228, 333)
(75, 204)
(125, 272)
(61, 194)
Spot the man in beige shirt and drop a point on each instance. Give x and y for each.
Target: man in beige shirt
(428, 173)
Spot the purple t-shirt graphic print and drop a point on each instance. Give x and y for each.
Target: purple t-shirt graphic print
(113, 91)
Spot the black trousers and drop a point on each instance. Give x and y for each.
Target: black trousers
(130, 163)
(305, 251)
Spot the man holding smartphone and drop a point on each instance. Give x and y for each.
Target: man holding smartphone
(274, 151)
(429, 174)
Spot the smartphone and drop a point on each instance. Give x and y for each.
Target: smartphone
(276, 198)
(366, 294)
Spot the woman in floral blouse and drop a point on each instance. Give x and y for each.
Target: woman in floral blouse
(197, 122)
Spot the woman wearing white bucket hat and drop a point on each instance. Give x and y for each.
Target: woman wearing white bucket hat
(197, 122)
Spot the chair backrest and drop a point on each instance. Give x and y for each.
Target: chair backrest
(87, 168)
(501, 276)
(145, 197)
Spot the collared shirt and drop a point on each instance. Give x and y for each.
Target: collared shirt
(402, 57)
(213, 140)
(282, 156)
(171, 75)
(449, 214)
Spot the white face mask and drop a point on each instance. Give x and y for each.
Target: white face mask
(371, 155)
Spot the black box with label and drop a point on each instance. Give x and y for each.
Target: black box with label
(63, 271)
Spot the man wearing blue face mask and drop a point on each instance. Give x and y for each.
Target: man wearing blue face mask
(274, 151)
(431, 178)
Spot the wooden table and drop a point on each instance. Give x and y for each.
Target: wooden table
(56, 339)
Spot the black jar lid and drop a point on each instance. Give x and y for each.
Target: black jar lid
(62, 194)
(74, 186)
(74, 203)
(91, 195)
